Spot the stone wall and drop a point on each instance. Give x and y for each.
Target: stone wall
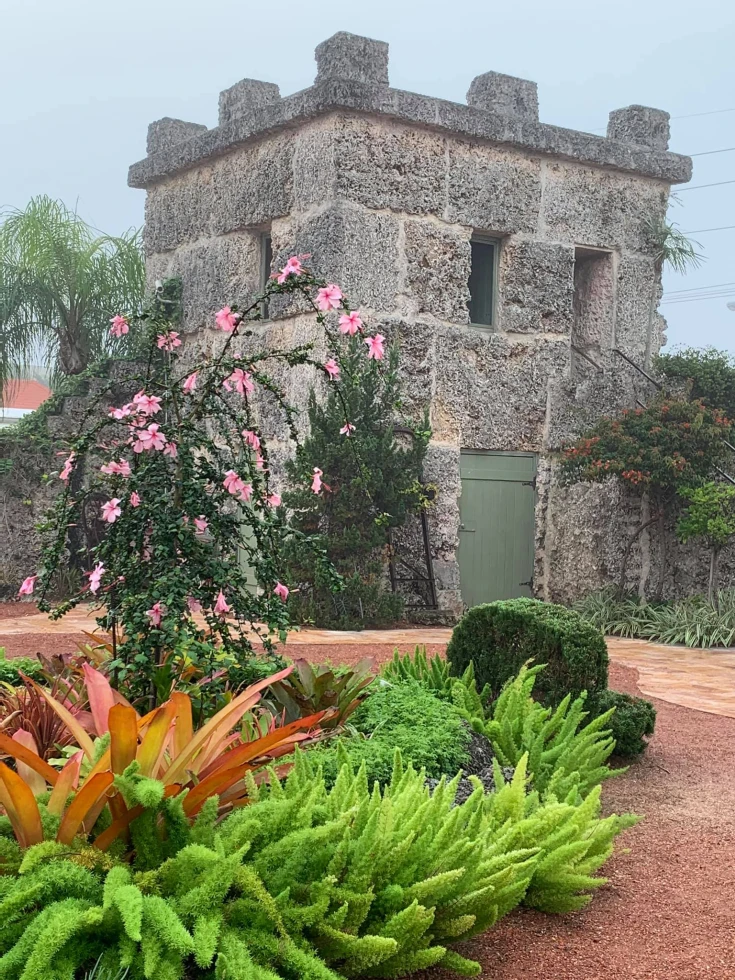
(30, 459)
(384, 189)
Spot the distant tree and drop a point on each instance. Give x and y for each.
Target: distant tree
(710, 515)
(60, 284)
(660, 449)
(708, 373)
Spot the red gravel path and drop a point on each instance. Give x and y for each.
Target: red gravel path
(668, 912)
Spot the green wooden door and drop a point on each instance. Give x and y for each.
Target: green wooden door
(496, 531)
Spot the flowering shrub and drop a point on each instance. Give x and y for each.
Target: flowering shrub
(659, 449)
(183, 473)
(665, 446)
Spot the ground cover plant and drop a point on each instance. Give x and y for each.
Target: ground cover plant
(692, 622)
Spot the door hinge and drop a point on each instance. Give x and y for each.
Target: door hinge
(529, 483)
(529, 584)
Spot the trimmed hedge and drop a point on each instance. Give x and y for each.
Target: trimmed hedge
(499, 637)
(633, 721)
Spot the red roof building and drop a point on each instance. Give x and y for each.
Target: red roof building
(21, 398)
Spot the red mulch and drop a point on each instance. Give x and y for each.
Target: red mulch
(668, 912)
(14, 610)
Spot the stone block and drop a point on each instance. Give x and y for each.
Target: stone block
(437, 270)
(441, 467)
(165, 133)
(639, 285)
(536, 287)
(384, 165)
(583, 548)
(641, 125)
(504, 94)
(213, 273)
(493, 190)
(491, 392)
(249, 187)
(350, 56)
(416, 365)
(577, 404)
(600, 208)
(354, 247)
(244, 96)
(314, 164)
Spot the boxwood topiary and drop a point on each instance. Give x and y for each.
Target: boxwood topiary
(499, 637)
(633, 721)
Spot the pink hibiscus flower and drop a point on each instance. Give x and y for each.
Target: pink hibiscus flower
(194, 605)
(156, 613)
(375, 346)
(28, 585)
(281, 591)
(332, 368)
(347, 429)
(190, 383)
(291, 268)
(329, 297)
(226, 320)
(95, 576)
(68, 467)
(116, 468)
(147, 404)
(241, 381)
(220, 607)
(350, 323)
(171, 450)
(134, 499)
(274, 499)
(111, 510)
(150, 438)
(201, 523)
(120, 326)
(251, 438)
(168, 341)
(121, 413)
(316, 483)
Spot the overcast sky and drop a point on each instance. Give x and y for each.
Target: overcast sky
(81, 80)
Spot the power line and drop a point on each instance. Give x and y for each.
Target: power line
(709, 153)
(699, 289)
(701, 231)
(698, 187)
(698, 299)
(711, 112)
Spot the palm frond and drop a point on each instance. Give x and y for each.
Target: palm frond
(60, 282)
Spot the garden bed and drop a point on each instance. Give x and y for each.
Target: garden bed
(669, 910)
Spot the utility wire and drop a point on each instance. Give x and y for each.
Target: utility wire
(698, 187)
(709, 153)
(699, 289)
(701, 231)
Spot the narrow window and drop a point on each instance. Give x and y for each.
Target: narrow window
(482, 280)
(266, 261)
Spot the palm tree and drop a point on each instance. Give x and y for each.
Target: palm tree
(670, 247)
(60, 283)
